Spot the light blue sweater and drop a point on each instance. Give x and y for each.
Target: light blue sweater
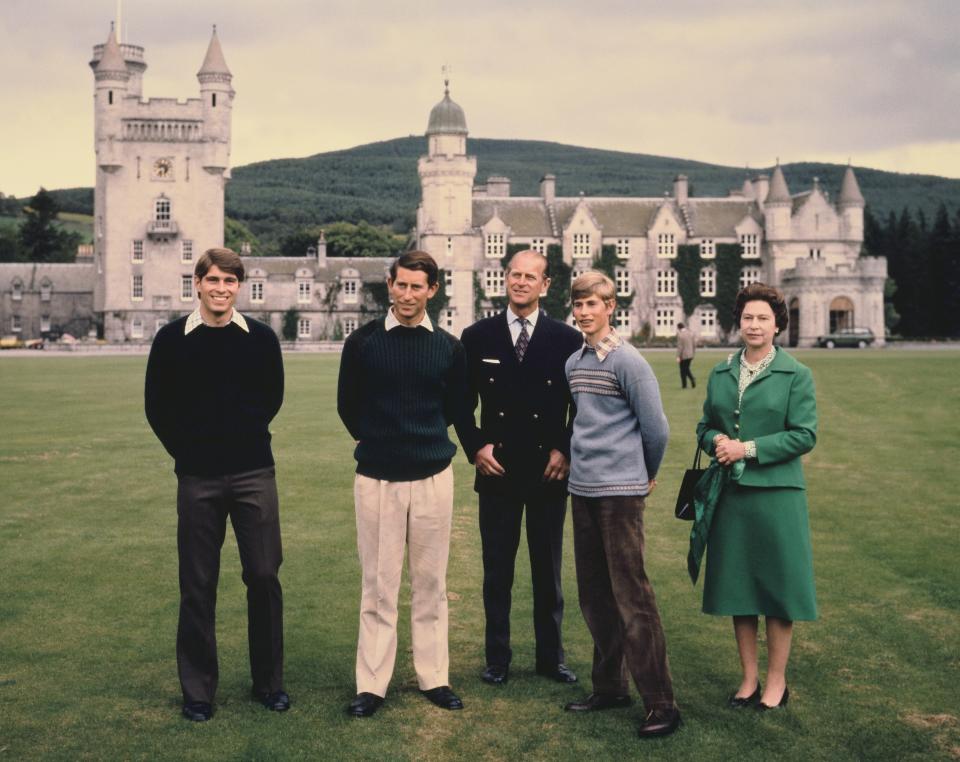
(620, 431)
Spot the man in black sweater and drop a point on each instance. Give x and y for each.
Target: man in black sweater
(521, 450)
(402, 383)
(214, 382)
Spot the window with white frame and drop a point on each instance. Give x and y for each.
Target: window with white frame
(749, 275)
(16, 324)
(708, 281)
(304, 291)
(46, 288)
(666, 282)
(447, 280)
(815, 253)
(136, 288)
(44, 323)
(350, 291)
(667, 245)
(576, 273)
(136, 329)
(136, 250)
(496, 247)
(349, 326)
(623, 281)
(449, 246)
(623, 248)
(186, 251)
(708, 248)
(666, 322)
(623, 322)
(186, 288)
(303, 328)
(161, 213)
(493, 284)
(708, 321)
(581, 245)
(256, 291)
(489, 312)
(448, 319)
(750, 242)
(539, 245)
(17, 291)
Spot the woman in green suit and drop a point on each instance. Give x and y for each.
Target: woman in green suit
(760, 408)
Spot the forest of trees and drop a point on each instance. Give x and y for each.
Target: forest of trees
(36, 237)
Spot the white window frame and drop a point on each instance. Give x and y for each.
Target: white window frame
(488, 312)
(349, 326)
(256, 291)
(136, 288)
(623, 248)
(162, 210)
(186, 288)
(708, 281)
(304, 291)
(539, 245)
(623, 321)
(186, 251)
(750, 275)
(304, 326)
(708, 249)
(16, 290)
(351, 290)
(750, 245)
(448, 280)
(667, 282)
(449, 246)
(622, 279)
(136, 250)
(16, 324)
(136, 328)
(495, 244)
(44, 323)
(46, 290)
(448, 319)
(494, 282)
(581, 246)
(707, 318)
(667, 245)
(666, 321)
(816, 253)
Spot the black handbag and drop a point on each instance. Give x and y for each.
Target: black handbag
(684, 509)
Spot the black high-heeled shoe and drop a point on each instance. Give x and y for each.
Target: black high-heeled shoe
(761, 707)
(736, 702)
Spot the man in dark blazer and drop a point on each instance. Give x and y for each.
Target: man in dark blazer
(521, 452)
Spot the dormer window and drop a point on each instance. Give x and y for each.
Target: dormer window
(17, 292)
(496, 246)
(46, 288)
(350, 291)
(667, 245)
(581, 245)
(751, 245)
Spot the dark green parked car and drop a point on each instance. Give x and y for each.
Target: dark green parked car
(847, 337)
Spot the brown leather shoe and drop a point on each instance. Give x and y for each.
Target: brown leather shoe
(660, 722)
(597, 702)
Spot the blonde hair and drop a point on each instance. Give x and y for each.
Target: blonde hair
(593, 283)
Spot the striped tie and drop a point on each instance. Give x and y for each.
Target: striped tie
(523, 340)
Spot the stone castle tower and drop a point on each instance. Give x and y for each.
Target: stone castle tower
(162, 165)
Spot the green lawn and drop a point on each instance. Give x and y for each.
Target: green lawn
(88, 601)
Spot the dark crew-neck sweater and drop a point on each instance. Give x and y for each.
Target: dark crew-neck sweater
(398, 392)
(210, 395)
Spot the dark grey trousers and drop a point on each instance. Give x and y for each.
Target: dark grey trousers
(203, 505)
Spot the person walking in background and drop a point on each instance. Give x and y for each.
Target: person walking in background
(619, 438)
(214, 382)
(402, 382)
(521, 452)
(760, 409)
(686, 348)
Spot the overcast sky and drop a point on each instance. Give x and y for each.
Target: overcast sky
(734, 82)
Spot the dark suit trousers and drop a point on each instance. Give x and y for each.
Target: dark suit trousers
(685, 374)
(203, 505)
(617, 599)
(500, 518)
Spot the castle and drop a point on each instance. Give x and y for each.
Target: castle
(161, 168)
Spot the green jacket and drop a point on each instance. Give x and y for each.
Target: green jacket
(779, 413)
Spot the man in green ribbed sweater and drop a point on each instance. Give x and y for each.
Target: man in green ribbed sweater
(403, 381)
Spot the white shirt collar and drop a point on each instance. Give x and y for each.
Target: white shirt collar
(392, 322)
(513, 319)
(194, 319)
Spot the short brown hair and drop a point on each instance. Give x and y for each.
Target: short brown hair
(761, 292)
(226, 259)
(417, 260)
(593, 282)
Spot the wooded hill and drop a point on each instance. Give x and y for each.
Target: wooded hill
(378, 182)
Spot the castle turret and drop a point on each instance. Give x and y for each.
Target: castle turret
(850, 204)
(111, 80)
(217, 93)
(777, 207)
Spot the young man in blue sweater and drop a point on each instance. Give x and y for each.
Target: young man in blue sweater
(619, 437)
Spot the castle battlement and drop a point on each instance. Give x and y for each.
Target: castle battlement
(129, 52)
(861, 267)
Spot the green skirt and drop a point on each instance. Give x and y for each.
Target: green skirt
(759, 560)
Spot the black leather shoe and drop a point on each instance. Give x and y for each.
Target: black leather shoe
(364, 705)
(560, 672)
(596, 702)
(197, 711)
(738, 702)
(443, 697)
(761, 707)
(277, 701)
(495, 674)
(660, 722)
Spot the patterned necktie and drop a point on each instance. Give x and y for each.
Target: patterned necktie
(523, 340)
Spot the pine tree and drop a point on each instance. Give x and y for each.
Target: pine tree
(41, 239)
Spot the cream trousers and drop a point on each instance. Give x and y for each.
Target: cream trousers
(390, 515)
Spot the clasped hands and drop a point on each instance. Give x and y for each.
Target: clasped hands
(557, 466)
(727, 450)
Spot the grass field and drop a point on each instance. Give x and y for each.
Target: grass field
(88, 602)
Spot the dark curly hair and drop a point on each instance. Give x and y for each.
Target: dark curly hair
(761, 292)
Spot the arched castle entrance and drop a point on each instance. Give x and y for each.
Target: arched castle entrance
(841, 314)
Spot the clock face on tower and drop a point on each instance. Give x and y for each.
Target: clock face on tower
(163, 169)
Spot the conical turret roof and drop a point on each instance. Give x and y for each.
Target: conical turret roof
(850, 189)
(779, 193)
(447, 118)
(112, 59)
(214, 62)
